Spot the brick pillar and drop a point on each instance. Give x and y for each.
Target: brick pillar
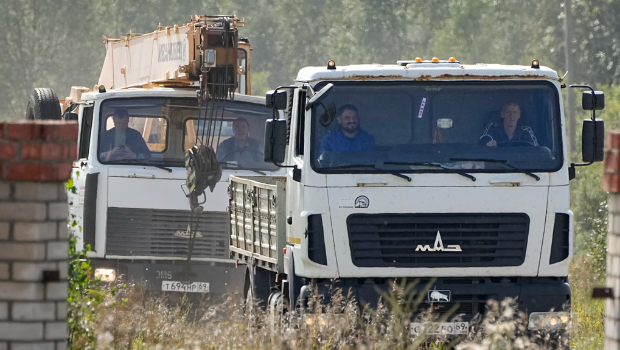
(611, 183)
(35, 162)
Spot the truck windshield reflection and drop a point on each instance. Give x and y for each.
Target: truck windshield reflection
(157, 132)
(436, 127)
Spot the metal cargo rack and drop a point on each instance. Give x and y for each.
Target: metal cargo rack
(257, 207)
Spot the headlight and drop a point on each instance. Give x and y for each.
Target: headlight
(105, 275)
(548, 320)
(315, 319)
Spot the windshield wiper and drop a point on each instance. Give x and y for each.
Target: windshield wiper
(469, 176)
(385, 171)
(162, 167)
(501, 161)
(237, 167)
(133, 162)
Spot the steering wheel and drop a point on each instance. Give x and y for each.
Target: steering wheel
(515, 144)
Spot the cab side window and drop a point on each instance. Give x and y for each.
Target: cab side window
(85, 132)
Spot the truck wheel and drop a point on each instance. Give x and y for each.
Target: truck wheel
(258, 287)
(43, 104)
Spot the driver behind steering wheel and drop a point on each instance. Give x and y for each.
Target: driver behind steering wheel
(240, 148)
(509, 130)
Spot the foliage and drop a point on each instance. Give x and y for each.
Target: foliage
(588, 315)
(58, 44)
(84, 296)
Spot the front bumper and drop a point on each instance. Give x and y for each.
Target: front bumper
(468, 295)
(223, 277)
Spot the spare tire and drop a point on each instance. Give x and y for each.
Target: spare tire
(43, 104)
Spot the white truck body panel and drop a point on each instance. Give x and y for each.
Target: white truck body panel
(138, 186)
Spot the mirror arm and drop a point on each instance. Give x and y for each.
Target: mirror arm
(593, 120)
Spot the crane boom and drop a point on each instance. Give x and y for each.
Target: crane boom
(206, 53)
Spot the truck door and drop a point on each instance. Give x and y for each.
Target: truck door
(79, 174)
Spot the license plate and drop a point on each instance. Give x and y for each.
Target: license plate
(194, 287)
(440, 328)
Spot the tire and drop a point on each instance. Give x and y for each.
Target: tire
(43, 104)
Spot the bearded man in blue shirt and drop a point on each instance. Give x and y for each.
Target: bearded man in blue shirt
(349, 138)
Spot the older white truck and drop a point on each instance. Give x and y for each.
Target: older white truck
(445, 172)
(127, 199)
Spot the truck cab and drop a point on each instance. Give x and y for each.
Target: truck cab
(131, 209)
(451, 175)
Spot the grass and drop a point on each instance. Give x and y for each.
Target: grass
(128, 318)
(588, 315)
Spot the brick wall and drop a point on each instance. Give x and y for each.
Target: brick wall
(611, 183)
(35, 162)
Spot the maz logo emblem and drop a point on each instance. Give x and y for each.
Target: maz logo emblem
(187, 233)
(362, 202)
(440, 296)
(438, 247)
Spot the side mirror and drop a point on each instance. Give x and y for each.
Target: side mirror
(592, 102)
(275, 141)
(276, 100)
(593, 140)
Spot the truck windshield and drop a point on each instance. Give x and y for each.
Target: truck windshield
(157, 132)
(437, 127)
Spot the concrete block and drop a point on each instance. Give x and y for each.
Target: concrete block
(611, 344)
(34, 231)
(615, 265)
(61, 310)
(63, 268)
(612, 244)
(611, 328)
(58, 250)
(5, 190)
(612, 308)
(23, 211)
(21, 331)
(4, 271)
(58, 210)
(4, 346)
(35, 191)
(614, 203)
(55, 330)
(33, 311)
(22, 291)
(63, 230)
(62, 192)
(31, 271)
(5, 230)
(4, 311)
(22, 251)
(60, 345)
(33, 346)
(614, 221)
(56, 291)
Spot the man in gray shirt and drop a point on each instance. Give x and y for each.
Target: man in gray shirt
(241, 148)
(122, 142)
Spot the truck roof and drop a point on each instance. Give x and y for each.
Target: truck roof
(410, 70)
(160, 92)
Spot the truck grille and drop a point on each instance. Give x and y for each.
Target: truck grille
(150, 232)
(391, 240)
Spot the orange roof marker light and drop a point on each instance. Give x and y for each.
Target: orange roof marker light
(452, 59)
(418, 59)
(435, 59)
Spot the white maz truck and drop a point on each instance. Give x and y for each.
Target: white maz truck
(127, 199)
(435, 170)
